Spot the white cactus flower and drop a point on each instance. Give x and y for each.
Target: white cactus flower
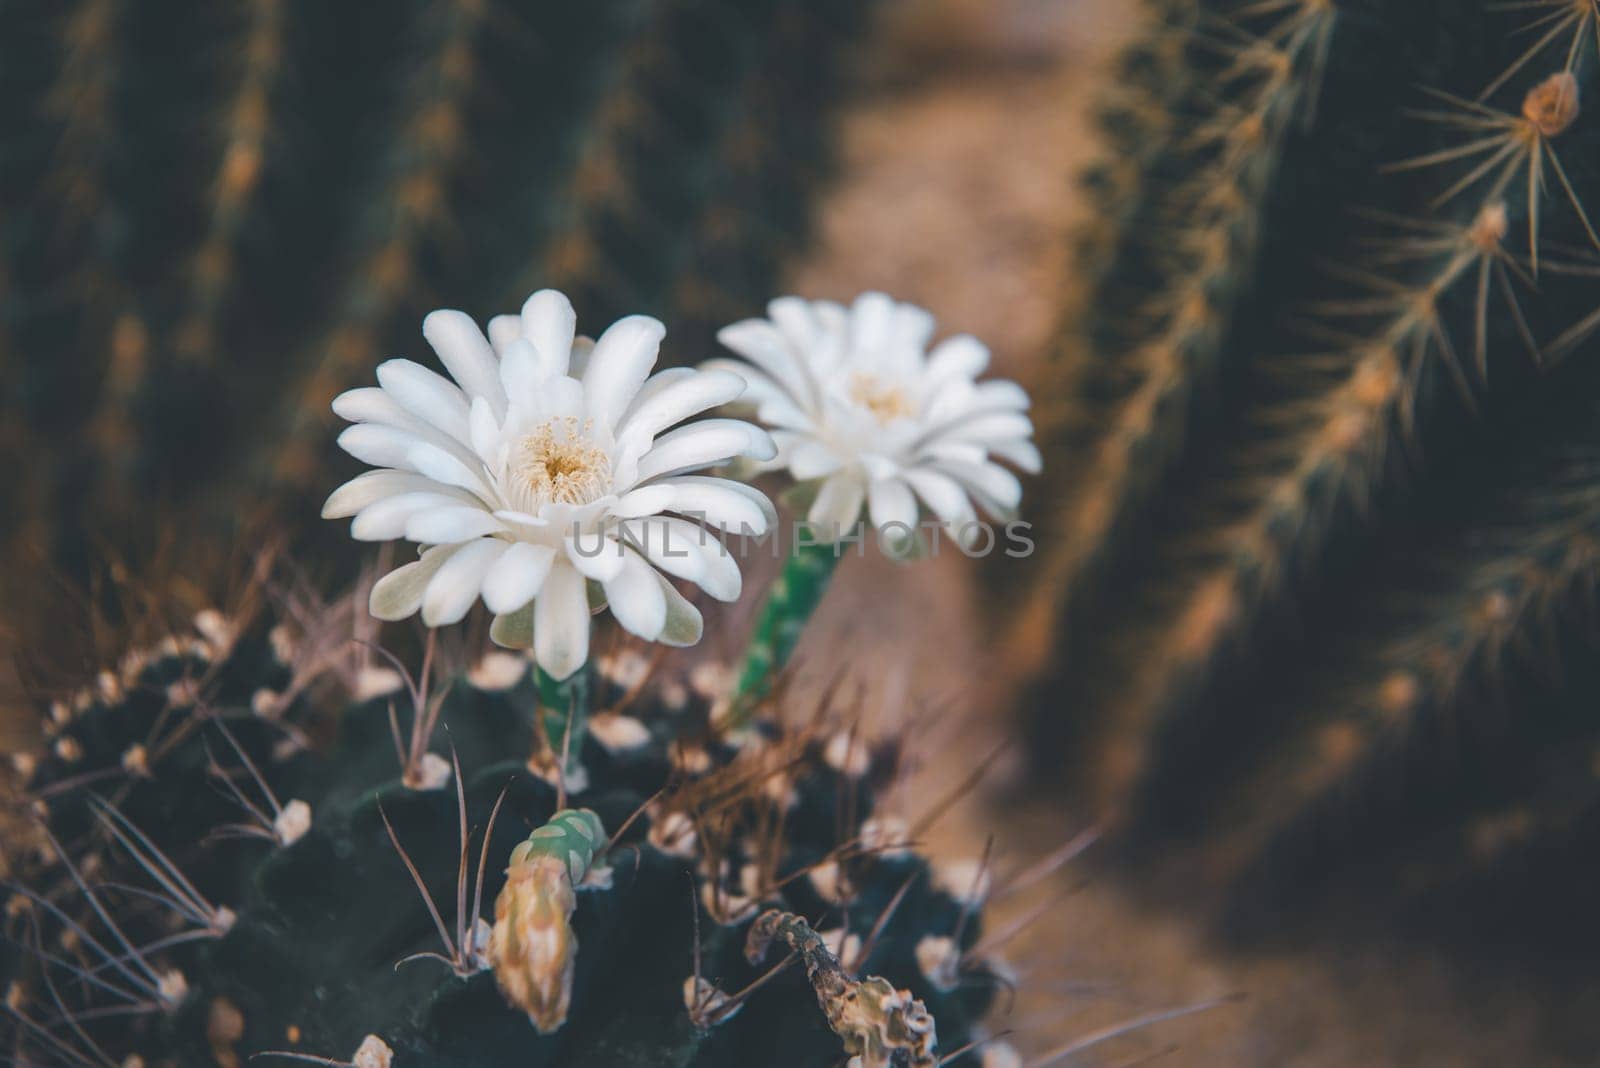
(549, 477)
(859, 406)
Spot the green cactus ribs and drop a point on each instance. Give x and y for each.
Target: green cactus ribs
(256, 839)
(1323, 441)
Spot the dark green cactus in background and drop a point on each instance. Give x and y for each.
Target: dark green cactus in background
(211, 870)
(1320, 540)
(220, 216)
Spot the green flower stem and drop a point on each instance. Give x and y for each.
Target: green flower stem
(561, 700)
(790, 604)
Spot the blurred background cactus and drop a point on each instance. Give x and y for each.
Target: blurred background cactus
(1320, 609)
(235, 211)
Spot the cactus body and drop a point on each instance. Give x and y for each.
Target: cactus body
(186, 776)
(236, 212)
(1323, 488)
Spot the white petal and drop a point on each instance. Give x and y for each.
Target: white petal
(444, 526)
(549, 322)
(523, 370)
(702, 444)
(655, 384)
(1024, 454)
(764, 345)
(913, 327)
(989, 481)
(677, 401)
(991, 426)
(645, 500)
(774, 405)
(371, 486)
(1001, 393)
(373, 406)
(367, 404)
(891, 502)
(466, 354)
(961, 356)
(378, 445)
(636, 599)
(582, 349)
(837, 507)
(792, 316)
(934, 453)
(594, 555)
(699, 556)
(684, 625)
(484, 431)
(425, 394)
(673, 550)
(451, 592)
(812, 459)
(872, 321)
(385, 519)
(721, 503)
(561, 622)
(513, 630)
(516, 578)
(620, 363)
(945, 498)
(399, 593)
(442, 467)
(503, 330)
(511, 515)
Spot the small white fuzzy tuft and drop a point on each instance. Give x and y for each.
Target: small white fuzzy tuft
(673, 834)
(136, 761)
(376, 682)
(281, 638)
(619, 734)
(217, 630)
(843, 944)
(292, 823)
(1001, 1055)
(939, 958)
(431, 773)
(847, 753)
(886, 836)
(963, 880)
(830, 883)
(172, 987)
(498, 671)
(373, 1052)
(707, 1005)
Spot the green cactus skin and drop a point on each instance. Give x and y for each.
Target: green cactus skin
(1322, 483)
(307, 962)
(790, 604)
(565, 704)
(235, 211)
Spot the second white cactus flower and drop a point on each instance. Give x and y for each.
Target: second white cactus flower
(548, 474)
(861, 407)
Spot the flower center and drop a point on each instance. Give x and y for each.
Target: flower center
(557, 463)
(886, 402)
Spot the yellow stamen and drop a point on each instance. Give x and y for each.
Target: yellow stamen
(565, 469)
(886, 402)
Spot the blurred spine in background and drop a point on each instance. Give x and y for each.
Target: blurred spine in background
(220, 216)
(1314, 607)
